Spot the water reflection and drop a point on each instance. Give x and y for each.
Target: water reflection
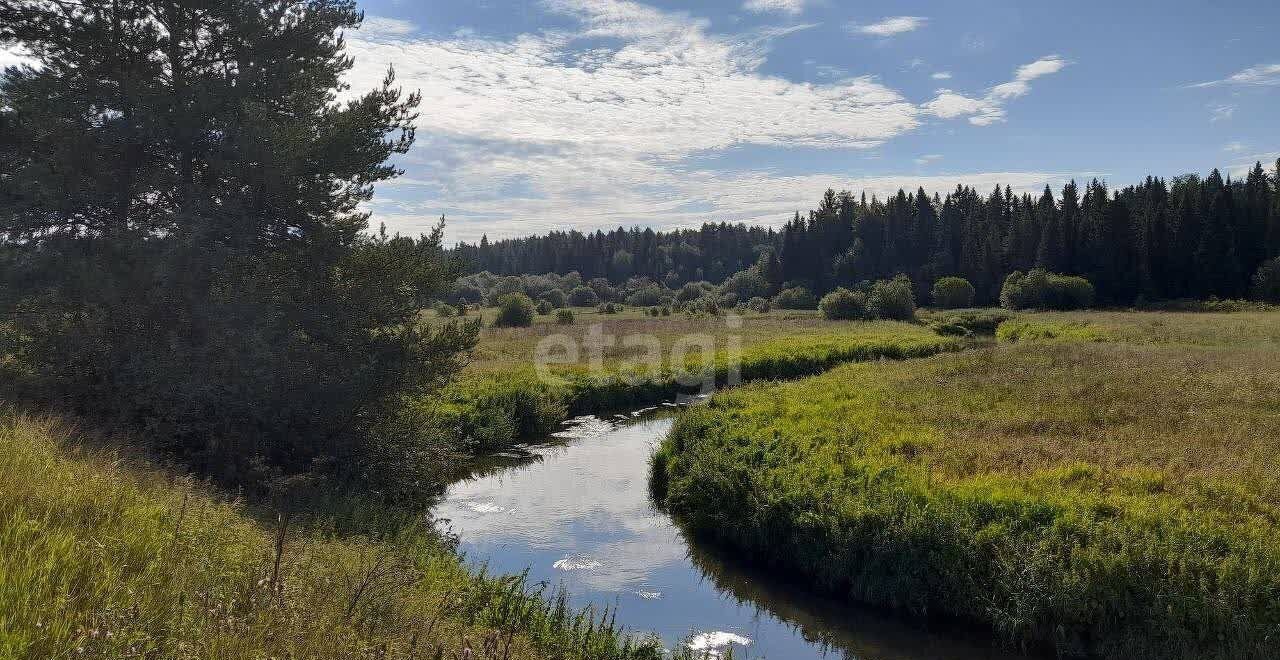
(576, 511)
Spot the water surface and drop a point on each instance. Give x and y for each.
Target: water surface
(576, 511)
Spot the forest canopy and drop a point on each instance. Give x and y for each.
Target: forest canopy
(1188, 237)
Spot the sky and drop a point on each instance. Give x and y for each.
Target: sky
(543, 115)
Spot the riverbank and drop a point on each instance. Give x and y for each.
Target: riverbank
(502, 399)
(1113, 498)
(103, 555)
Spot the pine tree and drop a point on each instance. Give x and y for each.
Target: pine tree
(193, 227)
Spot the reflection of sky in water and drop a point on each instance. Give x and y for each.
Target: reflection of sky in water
(580, 516)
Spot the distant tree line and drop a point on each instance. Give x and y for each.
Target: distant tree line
(1189, 237)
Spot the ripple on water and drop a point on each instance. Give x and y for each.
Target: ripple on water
(714, 644)
(576, 563)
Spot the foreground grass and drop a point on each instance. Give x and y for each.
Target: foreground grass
(1116, 498)
(101, 556)
(502, 398)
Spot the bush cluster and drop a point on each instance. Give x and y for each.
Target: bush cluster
(892, 299)
(795, 298)
(953, 293)
(843, 304)
(1040, 289)
(515, 310)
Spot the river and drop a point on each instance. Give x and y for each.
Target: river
(575, 511)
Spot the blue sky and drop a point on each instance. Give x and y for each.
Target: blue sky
(551, 114)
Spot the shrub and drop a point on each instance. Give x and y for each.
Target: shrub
(544, 308)
(666, 310)
(1266, 282)
(583, 297)
(978, 322)
(759, 304)
(515, 310)
(555, 297)
(564, 317)
(795, 298)
(843, 304)
(892, 299)
(745, 284)
(692, 291)
(647, 296)
(607, 308)
(1040, 289)
(446, 311)
(953, 293)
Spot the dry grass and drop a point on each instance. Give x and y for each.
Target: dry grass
(104, 557)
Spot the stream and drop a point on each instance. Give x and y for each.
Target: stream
(575, 511)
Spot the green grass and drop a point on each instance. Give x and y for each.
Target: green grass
(1114, 499)
(102, 556)
(500, 398)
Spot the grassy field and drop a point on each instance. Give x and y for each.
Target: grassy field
(501, 398)
(1101, 484)
(103, 557)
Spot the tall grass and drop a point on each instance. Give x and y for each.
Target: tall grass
(102, 556)
(1096, 499)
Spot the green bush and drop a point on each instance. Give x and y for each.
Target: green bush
(515, 310)
(953, 293)
(692, 291)
(892, 299)
(544, 308)
(843, 304)
(555, 297)
(648, 296)
(1266, 282)
(607, 308)
(583, 297)
(975, 322)
(795, 298)
(446, 311)
(758, 304)
(666, 310)
(1040, 289)
(564, 317)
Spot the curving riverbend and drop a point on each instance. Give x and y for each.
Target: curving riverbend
(575, 510)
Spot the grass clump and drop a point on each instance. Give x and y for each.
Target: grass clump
(1105, 500)
(104, 557)
(1029, 330)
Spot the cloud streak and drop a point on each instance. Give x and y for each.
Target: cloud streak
(792, 7)
(889, 27)
(989, 109)
(1260, 75)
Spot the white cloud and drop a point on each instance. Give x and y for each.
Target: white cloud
(375, 26)
(669, 90)
(1262, 74)
(989, 109)
(1221, 113)
(1022, 78)
(553, 130)
(792, 7)
(928, 158)
(941, 75)
(889, 27)
(1234, 147)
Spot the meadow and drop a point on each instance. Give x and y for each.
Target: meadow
(104, 555)
(1097, 484)
(501, 398)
